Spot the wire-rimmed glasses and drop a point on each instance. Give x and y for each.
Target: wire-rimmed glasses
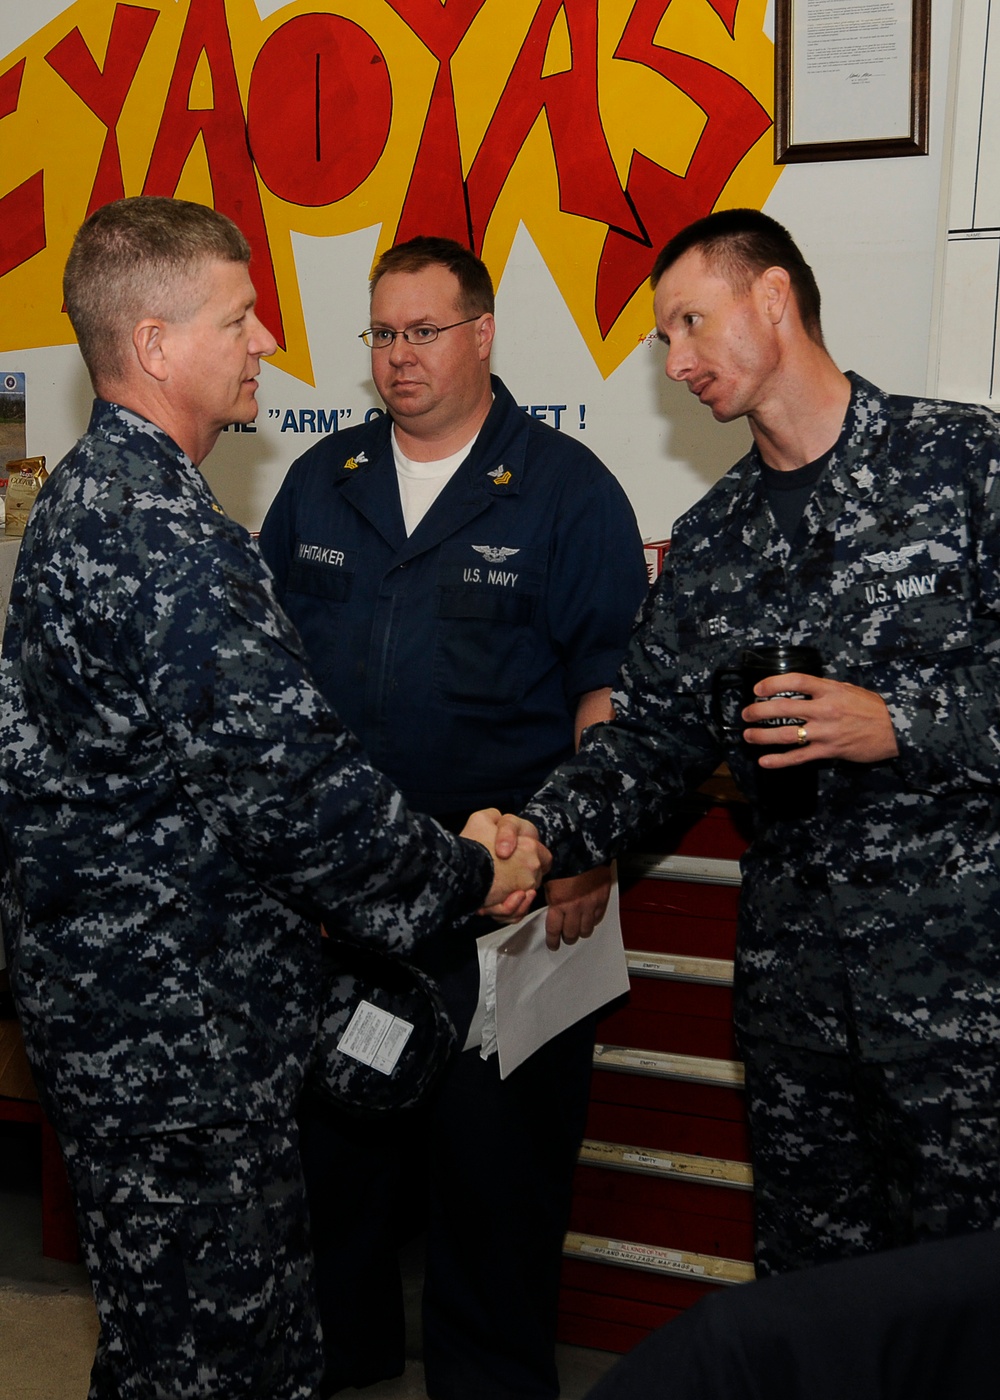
(381, 337)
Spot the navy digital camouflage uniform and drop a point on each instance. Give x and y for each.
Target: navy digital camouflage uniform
(868, 961)
(180, 807)
(458, 654)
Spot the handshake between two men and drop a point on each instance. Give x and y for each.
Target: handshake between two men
(520, 864)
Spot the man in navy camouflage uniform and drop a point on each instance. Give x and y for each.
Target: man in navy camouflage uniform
(180, 808)
(868, 960)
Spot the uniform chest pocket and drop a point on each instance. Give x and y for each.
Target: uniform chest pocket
(326, 581)
(483, 646)
(917, 615)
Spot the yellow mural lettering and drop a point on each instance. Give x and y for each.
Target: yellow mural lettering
(602, 126)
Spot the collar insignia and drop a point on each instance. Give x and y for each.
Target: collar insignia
(352, 463)
(500, 476)
(865, 478)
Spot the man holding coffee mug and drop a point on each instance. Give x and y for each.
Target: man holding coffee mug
(863, 526)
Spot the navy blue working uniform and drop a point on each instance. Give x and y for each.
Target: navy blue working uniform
(458, 655)
(179, 808)
(867, 965)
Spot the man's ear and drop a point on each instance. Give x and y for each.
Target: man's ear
(485, 332)
(147, 337)
(776, 287)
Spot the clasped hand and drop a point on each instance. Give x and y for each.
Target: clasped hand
(840, 721)
(575, 904)
(520, 862)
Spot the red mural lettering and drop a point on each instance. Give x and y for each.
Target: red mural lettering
(435, 197)
(588, 182)
(318, 116)
(104, 90)
(222, 128)
(665, 201)
(726, 10)
(319, 108)
(22, 211)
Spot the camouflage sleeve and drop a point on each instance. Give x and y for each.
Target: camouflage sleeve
(628, 774)
(269, 767)
(944, 705)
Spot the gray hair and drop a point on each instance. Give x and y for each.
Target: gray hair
(135, 258)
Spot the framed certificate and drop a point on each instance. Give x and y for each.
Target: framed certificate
(851, 79)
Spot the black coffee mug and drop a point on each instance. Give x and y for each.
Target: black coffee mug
(789, 791)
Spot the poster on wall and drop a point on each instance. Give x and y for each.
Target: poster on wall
(563, 140)
(12, 421)
(852, 80)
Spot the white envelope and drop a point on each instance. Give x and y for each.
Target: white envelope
(528, 992)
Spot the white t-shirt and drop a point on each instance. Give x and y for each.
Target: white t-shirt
(420, 483)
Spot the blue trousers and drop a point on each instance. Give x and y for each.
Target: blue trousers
(853, 1156)
(486, 1167)
(197, 1248)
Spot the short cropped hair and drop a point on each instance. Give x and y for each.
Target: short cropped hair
(135, 258)
(740, 244)
(474, 281)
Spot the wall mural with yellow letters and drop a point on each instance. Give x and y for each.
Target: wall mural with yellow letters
(565, 140)
(582, 132)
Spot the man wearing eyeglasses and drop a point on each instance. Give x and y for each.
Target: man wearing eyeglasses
(464, 578)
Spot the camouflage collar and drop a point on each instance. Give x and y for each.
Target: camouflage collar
(853, 473)
(114, 420)
(854, 466)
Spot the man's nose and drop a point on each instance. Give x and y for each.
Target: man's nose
(262, 342)
(678, 362)
(400, 351)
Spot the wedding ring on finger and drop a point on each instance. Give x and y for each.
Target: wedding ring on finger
(801, 735)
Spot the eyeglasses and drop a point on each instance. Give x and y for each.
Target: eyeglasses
(381, 337)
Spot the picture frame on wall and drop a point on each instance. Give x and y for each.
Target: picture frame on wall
(851, 79)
